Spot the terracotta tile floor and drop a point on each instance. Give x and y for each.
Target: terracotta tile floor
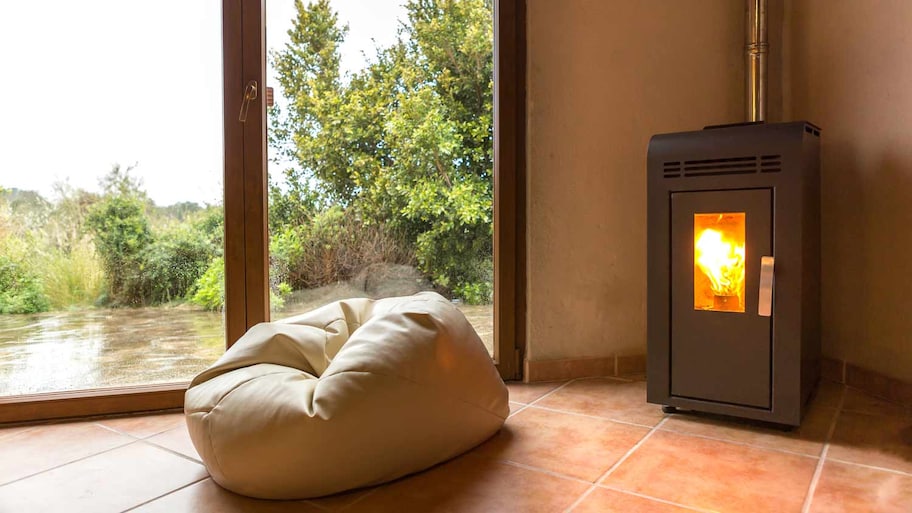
(588, 445)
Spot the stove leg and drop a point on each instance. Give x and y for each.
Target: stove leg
(669, 409)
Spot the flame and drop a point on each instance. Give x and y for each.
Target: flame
(722, 261)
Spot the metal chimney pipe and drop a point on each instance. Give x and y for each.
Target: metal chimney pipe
(756, 50)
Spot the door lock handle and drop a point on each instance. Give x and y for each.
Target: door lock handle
(250, 94)
(765, 307)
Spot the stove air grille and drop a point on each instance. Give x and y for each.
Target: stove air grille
(723, 166)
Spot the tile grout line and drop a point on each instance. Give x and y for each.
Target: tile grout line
(581, 498)
(119, 432)
(631, 451)
(596, 417)
(544, 471)
(616, 464)
(141, 504)
(146, 441)
(559, 387)
(172, 451)
(621, 379)
(743, 444)
(26, 430)
(530, 403)
(55, 467)
(872, 467)
(524, 406)
(656, 499)
(564, 384)
(812, 487)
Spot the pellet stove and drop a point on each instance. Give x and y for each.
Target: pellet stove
(733, 270)
(733, 309)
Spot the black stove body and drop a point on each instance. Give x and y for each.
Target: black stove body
(733, 268)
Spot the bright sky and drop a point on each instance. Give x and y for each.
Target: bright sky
(90, 83)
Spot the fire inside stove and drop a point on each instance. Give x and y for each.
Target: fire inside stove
(719, 256)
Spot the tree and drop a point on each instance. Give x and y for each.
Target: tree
(406, 142)
(121, 232)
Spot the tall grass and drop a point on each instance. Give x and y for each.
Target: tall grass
(74, 278)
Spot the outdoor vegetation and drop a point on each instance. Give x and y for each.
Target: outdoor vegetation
(394, 163)
(116, 248)
(389, 165)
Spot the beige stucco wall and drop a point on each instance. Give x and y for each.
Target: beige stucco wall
(847, 68)
(603, 77)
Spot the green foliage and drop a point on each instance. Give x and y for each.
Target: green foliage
(173, 263)
(178, 211)
(332, 247)
(73, 277)
(119, 182)
(65, 229)
(116, 249)
(121, 234)
(143, 266)
(209, 290)
(20, 289)
(210, 222)
(405, 144)
(27, 207)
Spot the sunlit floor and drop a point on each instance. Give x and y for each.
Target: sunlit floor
(588, 445)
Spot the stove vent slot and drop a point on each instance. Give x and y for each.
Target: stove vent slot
(671, 169)
(726, 166)
(771, 163)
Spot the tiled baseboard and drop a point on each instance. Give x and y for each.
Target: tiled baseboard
(556, 370)
(867, 381)
(839, 371)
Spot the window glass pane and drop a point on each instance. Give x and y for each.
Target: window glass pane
(381, 152)
(110, 193)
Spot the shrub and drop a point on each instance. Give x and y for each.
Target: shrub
(210, 222)
(458, 257)
(333, 247)
(20, 290)
(173, 263)
(209, 290)
(121, 232)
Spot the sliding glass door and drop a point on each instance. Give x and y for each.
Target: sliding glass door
(111, 194)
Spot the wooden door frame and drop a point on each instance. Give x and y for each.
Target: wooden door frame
(509, 187)
(246, 237)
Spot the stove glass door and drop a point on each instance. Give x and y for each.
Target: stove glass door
(721, 345)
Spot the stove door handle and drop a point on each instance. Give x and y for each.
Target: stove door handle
(765, 308)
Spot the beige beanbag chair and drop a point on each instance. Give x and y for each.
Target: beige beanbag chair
(352, 394)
